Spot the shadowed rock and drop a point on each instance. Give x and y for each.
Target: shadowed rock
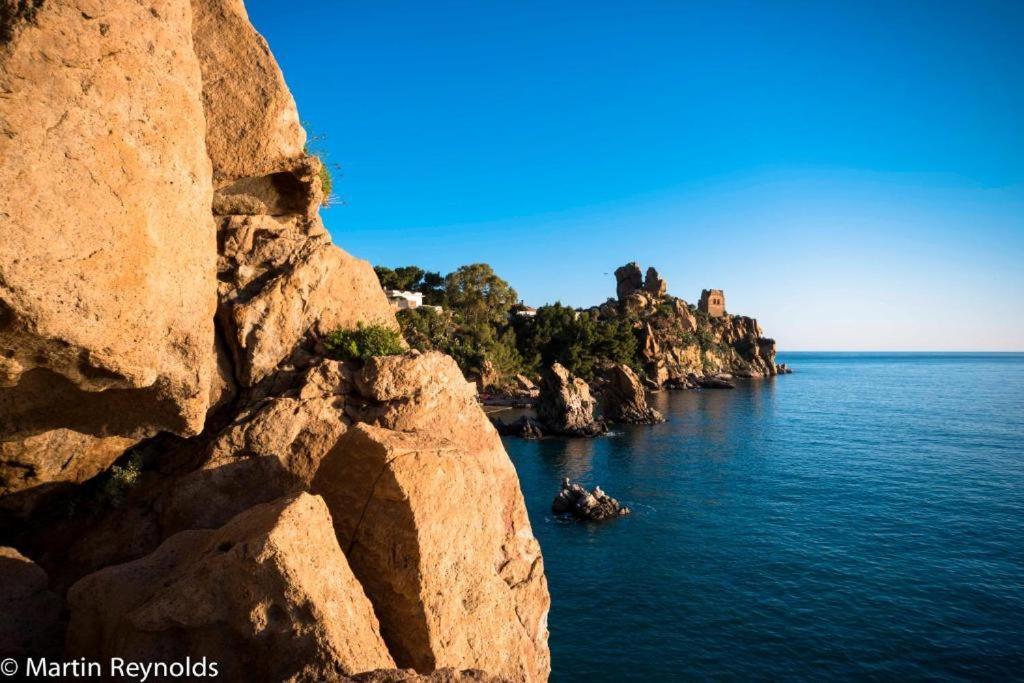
(525, 428)
(30, 622)
(594, 505)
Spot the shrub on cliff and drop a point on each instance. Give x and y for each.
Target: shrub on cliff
(363, 342)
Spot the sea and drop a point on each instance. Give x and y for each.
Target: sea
(860, 519)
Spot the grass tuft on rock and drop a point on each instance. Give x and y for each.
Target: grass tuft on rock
(326, 182)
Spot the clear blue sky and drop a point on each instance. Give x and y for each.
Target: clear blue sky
(852, 174)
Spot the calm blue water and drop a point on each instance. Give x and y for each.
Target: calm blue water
(862, 518)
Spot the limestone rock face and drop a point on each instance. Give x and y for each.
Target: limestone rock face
(253, 126)
(628, 279)
(269, 592)
(565, 406)
(624, 399)
(283, 280)
(30, 623)
(427, 506)
(654, 284)
(650, 349)
(108, 253)
(282, 284)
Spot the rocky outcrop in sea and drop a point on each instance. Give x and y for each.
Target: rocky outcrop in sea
(679, 341)
(624, 398)
(182, 468)
(566, 406)
(594, 505)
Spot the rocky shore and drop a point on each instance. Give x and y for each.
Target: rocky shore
(682, 347)
(184, 469)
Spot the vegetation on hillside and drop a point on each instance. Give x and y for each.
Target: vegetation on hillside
(579, 340)
(478, 328)
(493, 337)
(474, 327)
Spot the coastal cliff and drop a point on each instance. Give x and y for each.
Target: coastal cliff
(680, 343)
(183, 468)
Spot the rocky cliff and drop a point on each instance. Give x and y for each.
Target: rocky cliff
(678, 342)
(180, 464)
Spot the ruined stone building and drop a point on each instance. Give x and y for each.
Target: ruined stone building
(712, 302)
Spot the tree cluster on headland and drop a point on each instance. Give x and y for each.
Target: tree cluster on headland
(496, 339)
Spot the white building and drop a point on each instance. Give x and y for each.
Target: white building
(401, 300)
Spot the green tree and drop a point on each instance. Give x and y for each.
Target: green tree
(406, 278)
(478, 296)
(579, 340)
(470, 346)
(413, 279)
(432, 287)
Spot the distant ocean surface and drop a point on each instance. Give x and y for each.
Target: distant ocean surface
(862, 518)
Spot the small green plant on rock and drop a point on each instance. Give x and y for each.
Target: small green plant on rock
(120, 481)
(326, 182)
(365, 341)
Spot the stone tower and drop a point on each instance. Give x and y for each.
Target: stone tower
(712, 302)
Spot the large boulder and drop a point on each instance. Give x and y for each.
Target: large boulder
(30, 614)
(565, 406)
(624, 399)
(108, 252)
(427, 506)
(269, 592)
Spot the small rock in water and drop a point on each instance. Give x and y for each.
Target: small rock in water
(593, 505)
